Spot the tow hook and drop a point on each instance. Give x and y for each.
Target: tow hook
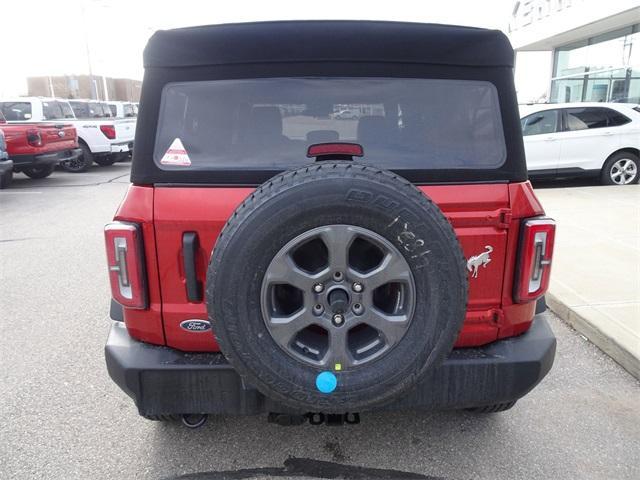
(333, 419)
(314, 418)
(194, 420)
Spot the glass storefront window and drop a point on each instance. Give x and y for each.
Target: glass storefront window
(600, 69)
(634, 90)
(597, 90)
(567, 91)
(571, 60)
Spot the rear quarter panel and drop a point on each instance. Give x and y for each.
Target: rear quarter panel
(629, 134)
(89, 132)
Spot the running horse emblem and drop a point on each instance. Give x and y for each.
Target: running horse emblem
(480, 260)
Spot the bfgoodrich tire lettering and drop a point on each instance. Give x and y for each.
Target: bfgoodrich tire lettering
(333, 193)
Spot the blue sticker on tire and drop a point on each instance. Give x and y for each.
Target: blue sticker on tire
(326, 382)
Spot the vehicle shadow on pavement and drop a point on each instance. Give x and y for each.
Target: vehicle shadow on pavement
(384, 446)
(118, 172)
(304, 467)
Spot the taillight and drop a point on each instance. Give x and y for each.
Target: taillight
(109, 131)
(125, 257)
(534, 259)
(34, 138)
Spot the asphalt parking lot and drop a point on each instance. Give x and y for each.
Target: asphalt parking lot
(63, 418)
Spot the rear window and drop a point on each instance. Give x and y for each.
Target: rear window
(96, 110)
(91, 109)
(128, 110)
(81, 109)
(54, 110)
(16, 111)
(106, 110)
(66, 110)
(269, 123)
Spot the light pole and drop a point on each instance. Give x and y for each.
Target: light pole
(94, 93)
(52, 93)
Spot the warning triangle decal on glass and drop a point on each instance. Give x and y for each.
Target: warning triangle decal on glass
(176, 155)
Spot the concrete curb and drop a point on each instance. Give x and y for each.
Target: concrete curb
(608, 345)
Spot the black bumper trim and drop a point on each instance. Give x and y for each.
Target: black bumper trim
(541, 305)
(54, 158)
(116, 311)
(162, 380)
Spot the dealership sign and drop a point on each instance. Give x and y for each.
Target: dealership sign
(527, 12)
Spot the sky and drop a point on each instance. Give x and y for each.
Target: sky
(66, 36)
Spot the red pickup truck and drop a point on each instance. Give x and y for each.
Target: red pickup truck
(36, 148)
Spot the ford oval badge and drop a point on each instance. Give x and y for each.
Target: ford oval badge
(195, 325)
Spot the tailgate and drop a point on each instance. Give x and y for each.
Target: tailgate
(58, 137)
(125, 130)
(478, 213)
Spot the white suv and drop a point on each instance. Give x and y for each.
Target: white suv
(574, 139)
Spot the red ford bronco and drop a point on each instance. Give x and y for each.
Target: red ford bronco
(275, 256)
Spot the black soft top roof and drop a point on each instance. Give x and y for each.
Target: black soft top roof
(309, 41)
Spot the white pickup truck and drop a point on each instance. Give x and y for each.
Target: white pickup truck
(122, 109)
(103, 140)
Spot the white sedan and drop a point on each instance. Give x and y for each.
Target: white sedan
(575, 139)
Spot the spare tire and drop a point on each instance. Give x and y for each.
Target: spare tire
(335, 287)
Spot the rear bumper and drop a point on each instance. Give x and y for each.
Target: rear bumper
(122, 147)
(162, 380)
(53, 158)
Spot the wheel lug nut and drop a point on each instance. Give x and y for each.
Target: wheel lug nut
(357, 287)
(318, 288)
(338, 319)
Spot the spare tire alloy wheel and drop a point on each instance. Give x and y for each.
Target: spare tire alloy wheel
(341, 270)
(338, 296)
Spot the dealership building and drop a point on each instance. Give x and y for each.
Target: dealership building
(595, 45)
